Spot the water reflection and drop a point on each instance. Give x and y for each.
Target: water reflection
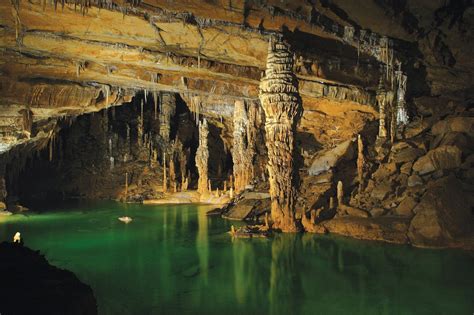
(175, 260)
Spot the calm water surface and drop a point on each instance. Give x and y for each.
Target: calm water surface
(175, 260)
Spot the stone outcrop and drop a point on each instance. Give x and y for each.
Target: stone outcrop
(282, 105)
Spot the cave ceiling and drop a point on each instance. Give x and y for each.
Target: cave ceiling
(61, 59)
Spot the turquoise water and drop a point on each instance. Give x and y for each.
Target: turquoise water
(175, 260)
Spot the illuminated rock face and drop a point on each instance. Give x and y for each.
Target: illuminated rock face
(202, 157)
(282, 105)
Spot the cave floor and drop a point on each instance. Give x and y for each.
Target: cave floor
(174, 259)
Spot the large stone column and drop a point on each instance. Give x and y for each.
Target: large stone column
(282, 105)
(167, 110)
(202, 157)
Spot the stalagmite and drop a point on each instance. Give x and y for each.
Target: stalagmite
(282, 105)
(402, 115)
(360, 162)
(172, 172)
(243, 143)
(231, 192)
(168, 109)
(209, 186)
(340, 193)
(165, 179)
(126, 184)
(202, 157)
(184, 185)
(331, 203)
(225, 186)
(381, 101)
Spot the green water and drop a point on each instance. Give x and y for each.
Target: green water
(175, 260)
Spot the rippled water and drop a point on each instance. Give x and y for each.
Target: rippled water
(175, 260)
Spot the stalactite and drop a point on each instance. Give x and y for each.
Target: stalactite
(27, 121)
(282, 105)
(202, 157)
(168, 109)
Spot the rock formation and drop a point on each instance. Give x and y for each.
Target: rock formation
(282, 105)
(167, 110)
(202, 157)
(243, 152)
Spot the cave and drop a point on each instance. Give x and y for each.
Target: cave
(241, 157)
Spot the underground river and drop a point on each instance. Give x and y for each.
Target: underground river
(175, 260)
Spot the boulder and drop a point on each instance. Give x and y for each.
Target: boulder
(414, 180)
(382, 190)
(444, 157)
(384, 170)
(417, 127)
(442, 215)
(405, 208)
(406, 154)
(328, 159)
(406, 168)
(3, 206)
(454, 124)
(354, 212)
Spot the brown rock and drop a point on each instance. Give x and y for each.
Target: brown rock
(444, 157)
(406, 168)
(377, 212)
(355, 212)
(384, 171)
(442, 215)
(418, 126)
(406, 206)
(454, 124)
(406, 155)
(414, 180)
(382, 190)
(387, 229)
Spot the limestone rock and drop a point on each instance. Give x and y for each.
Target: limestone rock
(406, 206)
(454, 124)
(382, 190)
(414, 180)
(442, 215)
(355, 212)
(328, 159)
(444, 157)
(384, 171)
(406, 168)
(406, 154)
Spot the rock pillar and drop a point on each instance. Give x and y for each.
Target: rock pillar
(202, 157)
(167, 110)
(243, 147)
(282, 105)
